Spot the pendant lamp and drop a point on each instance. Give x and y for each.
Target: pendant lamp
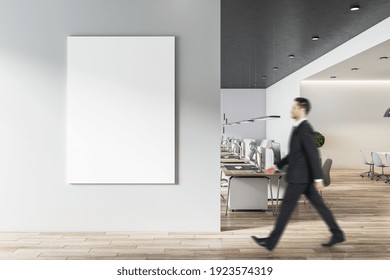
(387, 113)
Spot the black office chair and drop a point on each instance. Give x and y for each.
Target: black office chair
(326, 178)
(388, 163)
(326, 173)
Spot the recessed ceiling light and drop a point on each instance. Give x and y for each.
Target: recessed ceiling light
(276, 68)
(354, 8)
(315, 38)
(264, 77)
(333, 77)
(255, 84)
(354, 68)
(383, 57)
(291, 56)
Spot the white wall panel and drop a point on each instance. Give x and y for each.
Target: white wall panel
(121, 110)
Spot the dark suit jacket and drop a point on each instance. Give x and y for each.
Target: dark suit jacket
(303, 162)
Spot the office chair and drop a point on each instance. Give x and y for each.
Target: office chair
(224, 182)
(259, 158)
(326, 178)
(236, 148)
(388, 163)
(326, 173)
(225, 145)
(378, 163)
(252, 153)
(229, 144)
(370, 172)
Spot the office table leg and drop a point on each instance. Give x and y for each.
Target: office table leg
(272, 196)
(277, 197)
(228, 197)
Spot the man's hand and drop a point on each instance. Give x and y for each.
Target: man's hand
(318, 186)
(270, 170)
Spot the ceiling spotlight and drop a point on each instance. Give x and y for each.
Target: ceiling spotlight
(383, 57)
(354, 68)
(255, 84)
(333, 77)
(276, 68)
(264, 77)
(291, 56)
(315, 38)
(354, 7)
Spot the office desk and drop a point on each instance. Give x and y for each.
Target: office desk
(234, 161)
(230, 158)
(223, 154)
(226, 157)
(252, 173)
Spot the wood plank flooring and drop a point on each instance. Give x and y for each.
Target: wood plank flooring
(361, 206)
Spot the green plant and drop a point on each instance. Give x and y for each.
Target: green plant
(319, 139)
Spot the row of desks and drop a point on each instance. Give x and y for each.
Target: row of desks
(233, 166)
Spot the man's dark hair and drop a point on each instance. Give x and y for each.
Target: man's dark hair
(303, 103)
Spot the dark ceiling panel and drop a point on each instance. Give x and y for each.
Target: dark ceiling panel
(257, 35)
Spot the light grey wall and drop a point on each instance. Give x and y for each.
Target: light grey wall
(33, 191)
(242, 104)
(350, 116)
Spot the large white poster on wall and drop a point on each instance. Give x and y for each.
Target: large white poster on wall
(121, 110)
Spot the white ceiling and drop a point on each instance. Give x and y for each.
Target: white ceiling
(370, 67)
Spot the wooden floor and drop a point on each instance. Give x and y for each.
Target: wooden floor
(361, 206)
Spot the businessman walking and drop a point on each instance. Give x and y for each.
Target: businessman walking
(303, 175)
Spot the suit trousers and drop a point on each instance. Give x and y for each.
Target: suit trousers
(290, 200)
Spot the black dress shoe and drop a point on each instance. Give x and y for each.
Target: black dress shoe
(334, 240)
(263, 242)
(258, 240)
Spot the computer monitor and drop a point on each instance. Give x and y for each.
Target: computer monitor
(251, 152)
(276, 149)
(265, 143)
(262, 157)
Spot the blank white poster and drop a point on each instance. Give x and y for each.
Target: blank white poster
(121, 110)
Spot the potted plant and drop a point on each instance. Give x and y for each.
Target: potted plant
(319, 139)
